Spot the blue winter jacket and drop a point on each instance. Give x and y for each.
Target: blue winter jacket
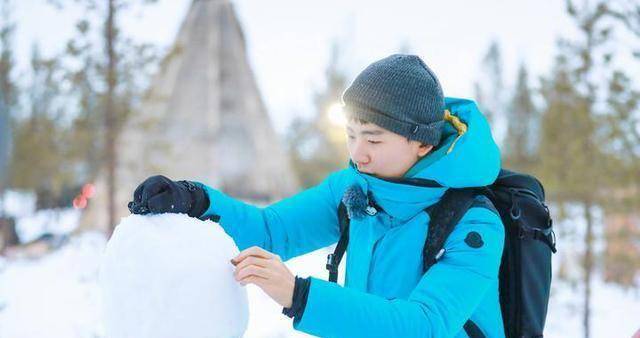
(385, 293)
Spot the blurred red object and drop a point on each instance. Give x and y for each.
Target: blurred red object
(88, 190)
(80, 202)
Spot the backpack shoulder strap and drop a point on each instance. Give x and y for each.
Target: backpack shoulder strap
(443, 217)
(333, 260)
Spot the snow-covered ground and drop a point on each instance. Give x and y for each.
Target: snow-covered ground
(57, 296)
(54, 296)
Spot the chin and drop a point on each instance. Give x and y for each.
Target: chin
(386, 176)
(377, 174)
(368, 172)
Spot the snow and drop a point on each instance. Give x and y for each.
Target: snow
(32, 223)
(18, 203)
(169, 275)
(615, 311)
(49, 221)
(58, 295)
(55, 296)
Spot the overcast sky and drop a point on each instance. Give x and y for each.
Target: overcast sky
(289, 41)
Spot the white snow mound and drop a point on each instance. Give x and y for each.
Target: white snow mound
(169, 276)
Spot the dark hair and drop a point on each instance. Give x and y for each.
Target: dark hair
(358, 120)
(361, 121)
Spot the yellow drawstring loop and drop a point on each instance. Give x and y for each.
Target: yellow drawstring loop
(460, 127)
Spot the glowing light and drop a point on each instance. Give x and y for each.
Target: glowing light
(336, 115)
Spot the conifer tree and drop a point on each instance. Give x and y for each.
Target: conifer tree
(574, 168)
(318, 145)
(522, 136)
(490, 88)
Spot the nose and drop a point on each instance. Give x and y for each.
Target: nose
(359, 153)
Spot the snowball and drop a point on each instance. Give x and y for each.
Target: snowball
(169, 276)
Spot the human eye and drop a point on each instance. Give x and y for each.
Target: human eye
(374, 142)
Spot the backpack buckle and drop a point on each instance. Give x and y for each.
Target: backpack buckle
(371, 211)
(331, 263)
(547, 236)
(439, 254)
(514, 211)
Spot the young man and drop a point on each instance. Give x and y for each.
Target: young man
(408, 145)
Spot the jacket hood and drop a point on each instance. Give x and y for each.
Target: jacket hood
(461, 161)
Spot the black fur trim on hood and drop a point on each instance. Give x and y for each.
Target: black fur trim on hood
(356, 202)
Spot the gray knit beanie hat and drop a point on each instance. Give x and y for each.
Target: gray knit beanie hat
(401, 94)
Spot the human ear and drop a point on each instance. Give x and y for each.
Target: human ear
(424, 149)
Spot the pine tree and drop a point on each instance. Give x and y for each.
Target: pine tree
(574, 166)
(627, 13)
(86, 98)
(122, 69)
(622, 141)
(623, 138)
(117, 107)
(317, 145)
(522, 137)
(8, 95)
(570, 166)
(489, 89)
(8, 106)
(41, 144)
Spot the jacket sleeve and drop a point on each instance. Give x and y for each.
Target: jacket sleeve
(293, 226)
(440, 304)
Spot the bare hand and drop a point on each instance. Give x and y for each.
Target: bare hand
(266, 270)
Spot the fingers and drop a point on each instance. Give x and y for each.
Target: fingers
(253, 251)
(137, 208)
(267, 271)
(153, 186)
(252, 270)
(252, 260)
(154, 195)
(257, 280)
(162, 202)
(137, 195)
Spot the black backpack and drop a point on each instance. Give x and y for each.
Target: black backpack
(525, 270)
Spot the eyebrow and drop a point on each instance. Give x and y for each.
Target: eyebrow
(367, 132)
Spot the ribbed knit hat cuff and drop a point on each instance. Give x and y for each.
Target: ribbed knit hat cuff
(426, 133)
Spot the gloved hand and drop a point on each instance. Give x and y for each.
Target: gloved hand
(158, 194)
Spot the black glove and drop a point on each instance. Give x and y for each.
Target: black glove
(158, 194)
